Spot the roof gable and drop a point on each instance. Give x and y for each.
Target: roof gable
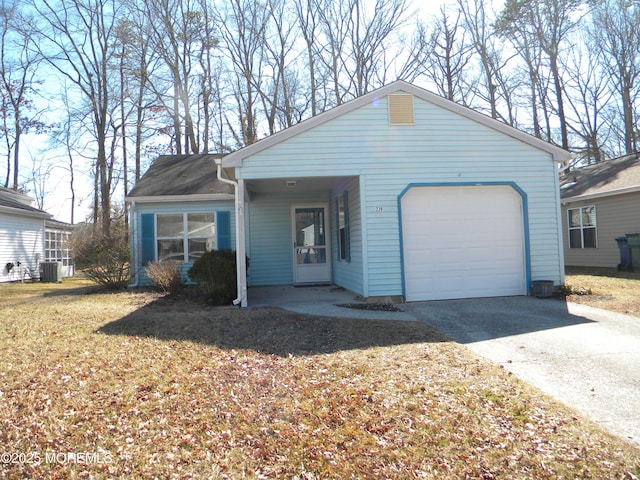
(235, 159)
(618, 175)
(180, 175)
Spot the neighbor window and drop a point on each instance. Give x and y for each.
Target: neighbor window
(185, 236)
(582, 227)
(56, 246)
(342, 210)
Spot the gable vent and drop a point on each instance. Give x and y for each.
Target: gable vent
(401, 109)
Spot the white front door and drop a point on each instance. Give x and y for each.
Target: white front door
(311, 262)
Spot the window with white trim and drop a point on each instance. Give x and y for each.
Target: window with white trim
(56, 247)
(185, 237)
(582, 227)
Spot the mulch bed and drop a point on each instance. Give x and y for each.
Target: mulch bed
(382, 307)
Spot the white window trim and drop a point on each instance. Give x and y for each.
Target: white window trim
(185, 232)
(582, 226)
(57, 247)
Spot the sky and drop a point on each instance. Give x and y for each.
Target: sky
(57, 196)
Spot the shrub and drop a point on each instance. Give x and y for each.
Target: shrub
(215, 273)
(102, 258)
(564, 291)
(166, 275)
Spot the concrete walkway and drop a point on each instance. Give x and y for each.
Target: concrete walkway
(585, 357)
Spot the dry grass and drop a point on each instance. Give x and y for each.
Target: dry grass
(139, 386)
(608, 289)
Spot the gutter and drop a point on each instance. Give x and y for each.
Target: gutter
(608, 193)
(241, 263)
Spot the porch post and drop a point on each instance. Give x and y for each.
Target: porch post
(241, 255)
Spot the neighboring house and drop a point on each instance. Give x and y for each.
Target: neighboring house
(179, 210)
(396, 194)
(600, 203)
(28, 237)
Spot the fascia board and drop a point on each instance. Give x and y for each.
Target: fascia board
(591, 196)
(24, 213)
(202, 197)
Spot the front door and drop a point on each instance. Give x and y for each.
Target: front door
(311, 262)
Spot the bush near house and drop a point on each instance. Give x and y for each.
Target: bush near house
(166, 275)
(215, 274)
(101, 258)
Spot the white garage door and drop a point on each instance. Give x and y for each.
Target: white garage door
(462, 242)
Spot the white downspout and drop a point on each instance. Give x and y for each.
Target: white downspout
(133, 243)
(241, 263)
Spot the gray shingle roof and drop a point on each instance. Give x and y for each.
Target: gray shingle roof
(175, 175)
(8, 198)
(601, 178)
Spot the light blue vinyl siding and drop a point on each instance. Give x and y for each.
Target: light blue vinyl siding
(349, 274)
(270, 241)
(177, 207)
(442, 147)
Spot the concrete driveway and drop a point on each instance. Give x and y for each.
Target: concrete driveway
(585, 357)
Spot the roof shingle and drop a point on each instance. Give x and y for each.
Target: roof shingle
(175, 175)
(602, 178)
(14, 200)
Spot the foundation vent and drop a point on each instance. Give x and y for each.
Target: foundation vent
(401, 109)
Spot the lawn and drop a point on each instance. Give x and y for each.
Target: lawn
(136, 385)
(607, 288)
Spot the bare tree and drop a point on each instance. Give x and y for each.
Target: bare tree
(356, 36)
(209, 71)
(139, 63)
(543, 24)
(587, 96)
(307, 12)
(243, 24)
(175, 27)
(416, 54)
(496, 86)
(333, 26)
(449, 57)
(18, 87)
(76, 38)
(278, 91)
(372, 34)
(71, 139)
(616, 38)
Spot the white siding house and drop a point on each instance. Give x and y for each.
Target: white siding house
(22, 231)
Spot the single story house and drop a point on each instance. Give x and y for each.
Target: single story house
(600, 203)
(398, 194)
(29, 237)
(178, 210)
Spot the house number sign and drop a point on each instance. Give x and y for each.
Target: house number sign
(378, 209)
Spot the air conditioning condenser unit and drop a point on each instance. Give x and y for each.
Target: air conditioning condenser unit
(51, 272)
